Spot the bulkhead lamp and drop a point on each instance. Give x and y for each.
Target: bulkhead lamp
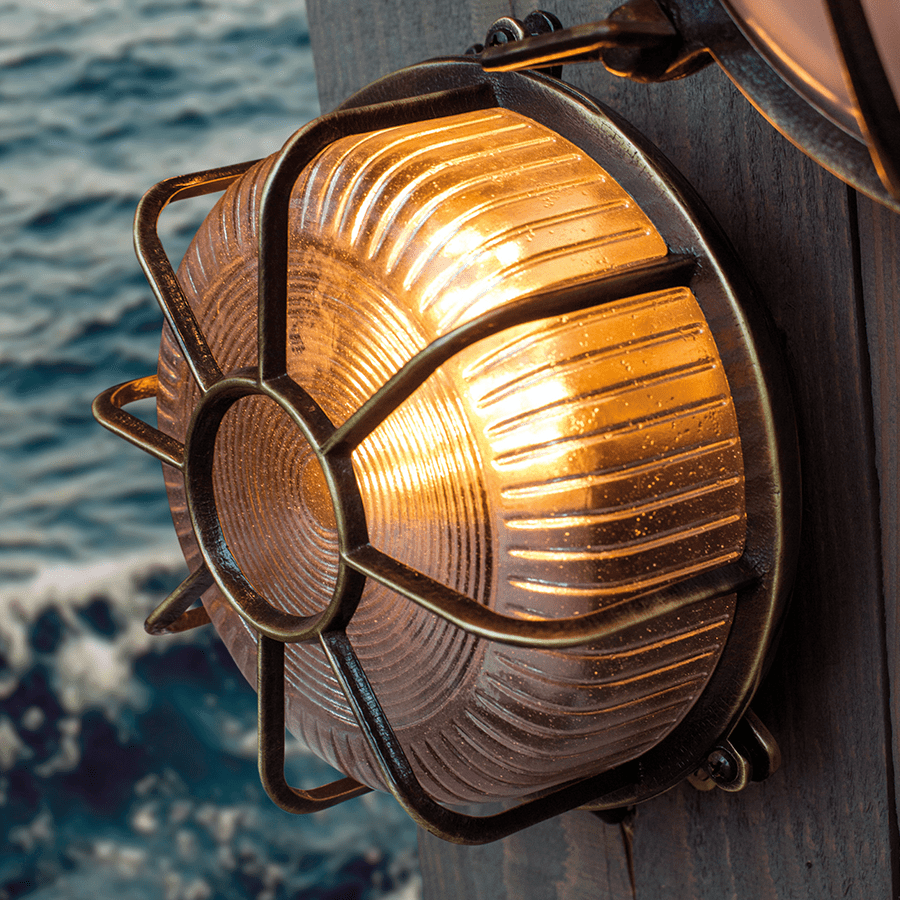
(485, 476)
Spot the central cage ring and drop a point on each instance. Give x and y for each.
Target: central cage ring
(343, 489)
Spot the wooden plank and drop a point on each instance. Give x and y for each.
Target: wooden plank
(822, 826)
(826, 824)
(355, 42)
(879, 231)
(572, 857)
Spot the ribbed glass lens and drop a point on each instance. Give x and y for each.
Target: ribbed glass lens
(553, 469)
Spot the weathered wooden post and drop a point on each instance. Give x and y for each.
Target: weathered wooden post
(826, 262)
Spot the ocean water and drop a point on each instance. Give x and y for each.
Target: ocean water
(127, 763)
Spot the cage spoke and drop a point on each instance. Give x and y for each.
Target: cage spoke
(608, 288)
(403, 784)
(471, 616)
(107, 409)
(155, 263)
(173, 615)
(270, 690)
(297, 153)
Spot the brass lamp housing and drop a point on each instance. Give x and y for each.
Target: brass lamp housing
(694, 256)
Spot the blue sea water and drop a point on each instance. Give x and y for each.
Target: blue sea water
(126, 762)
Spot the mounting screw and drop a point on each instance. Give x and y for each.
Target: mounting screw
(722, 766)
(504, 30)
(508, 29)
(541, 22)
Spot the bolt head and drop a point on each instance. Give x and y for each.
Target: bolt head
(722, 766)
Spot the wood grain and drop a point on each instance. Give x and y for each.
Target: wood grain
(357, 41)
(572, 857)
(821, 827)
(826, 825)
(879, 237)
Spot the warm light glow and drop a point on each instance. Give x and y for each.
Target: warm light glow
(550, 470)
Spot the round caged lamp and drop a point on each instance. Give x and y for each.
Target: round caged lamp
(479, 452)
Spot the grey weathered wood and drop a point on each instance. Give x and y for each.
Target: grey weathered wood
(356, 42)
(822, 826)
(879, 232)
(826, 825)
(572, 857)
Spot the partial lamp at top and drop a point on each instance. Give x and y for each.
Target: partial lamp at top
(826, 73)
(472, 451)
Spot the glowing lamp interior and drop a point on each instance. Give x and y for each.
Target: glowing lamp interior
(549, 470)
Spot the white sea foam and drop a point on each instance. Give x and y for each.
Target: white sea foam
(66, 589)
(412, 890)
(12, 747)
(87, 671)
